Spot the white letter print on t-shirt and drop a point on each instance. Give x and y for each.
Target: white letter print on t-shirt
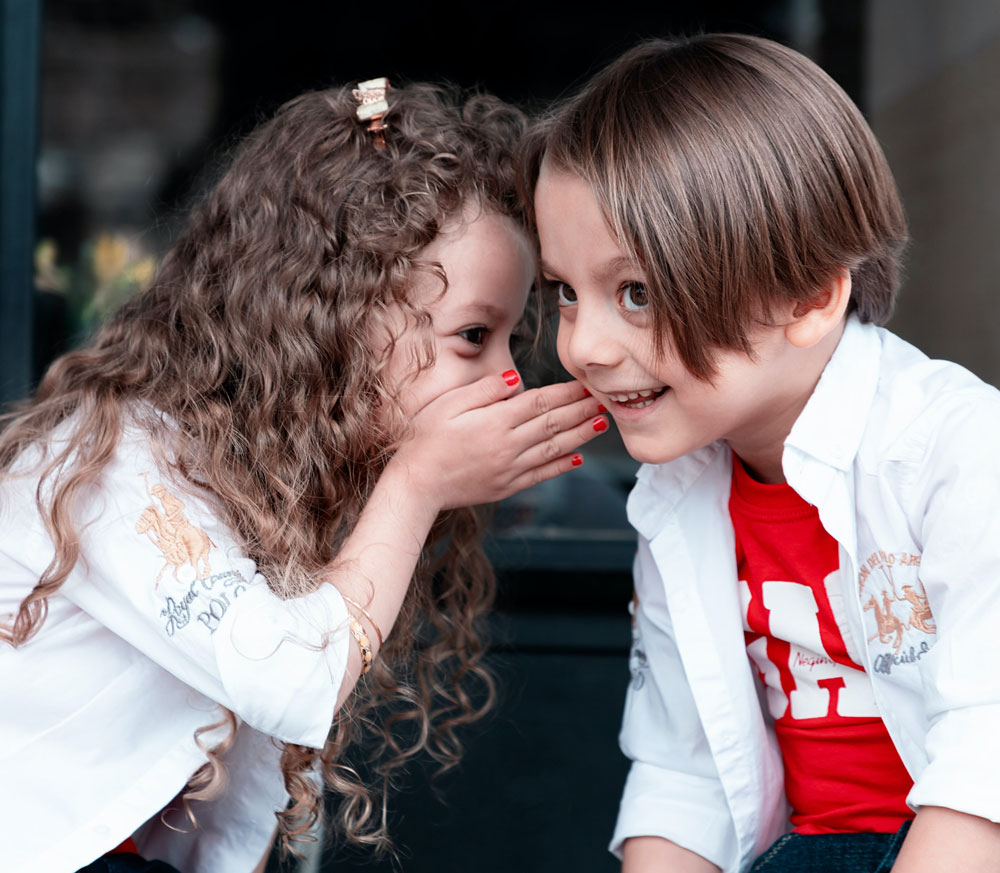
(819, 686)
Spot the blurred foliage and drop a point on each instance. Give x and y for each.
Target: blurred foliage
(111, 268)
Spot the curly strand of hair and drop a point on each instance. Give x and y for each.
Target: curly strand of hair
(211, 779)
(67, 473)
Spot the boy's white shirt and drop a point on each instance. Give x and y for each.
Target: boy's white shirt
(901, 455)
(162, 620)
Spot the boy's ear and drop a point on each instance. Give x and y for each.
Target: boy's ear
(813, 320)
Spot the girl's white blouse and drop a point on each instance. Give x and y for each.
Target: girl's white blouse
(162, 621)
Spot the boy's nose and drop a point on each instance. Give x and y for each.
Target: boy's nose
(590, 341)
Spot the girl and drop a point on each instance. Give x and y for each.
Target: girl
(818, 507)
(254, 486)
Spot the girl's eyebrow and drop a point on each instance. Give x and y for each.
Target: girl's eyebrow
(486, 311)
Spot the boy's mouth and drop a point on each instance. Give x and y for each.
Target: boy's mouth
(637, 399)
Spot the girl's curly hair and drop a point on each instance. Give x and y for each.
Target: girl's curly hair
(255, 339)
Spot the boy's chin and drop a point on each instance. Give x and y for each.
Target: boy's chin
(648, 451)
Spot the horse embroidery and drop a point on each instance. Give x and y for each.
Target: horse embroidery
(886, 621)
(888, 624)
(920, 615)
(170, 531)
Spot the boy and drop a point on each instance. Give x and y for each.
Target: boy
(819, 540)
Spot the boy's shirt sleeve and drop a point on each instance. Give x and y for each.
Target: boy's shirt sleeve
(159, 569)
(957, 493)
(673, 788)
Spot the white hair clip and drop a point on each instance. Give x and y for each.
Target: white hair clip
(372, 106)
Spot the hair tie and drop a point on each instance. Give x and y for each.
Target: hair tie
(372, 106)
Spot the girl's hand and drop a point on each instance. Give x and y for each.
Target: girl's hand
(482, 442)
(475, 444)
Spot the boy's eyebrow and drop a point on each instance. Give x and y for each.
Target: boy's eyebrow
(615, 267)
(608, 270)
(543, 267)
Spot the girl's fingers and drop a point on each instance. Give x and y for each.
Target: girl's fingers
(541, 402)
(546, 471)
(476, 395)
(552, 407)
(561, 442)
(560, 423)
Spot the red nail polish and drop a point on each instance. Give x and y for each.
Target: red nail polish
(600, 424)
(576, 460)
(585, 391)
(511, 377)
(601, 407)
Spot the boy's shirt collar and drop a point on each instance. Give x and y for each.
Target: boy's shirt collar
(661, 487)
(833, 421)
(829, 429)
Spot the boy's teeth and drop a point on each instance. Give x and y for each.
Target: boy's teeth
(637, 399)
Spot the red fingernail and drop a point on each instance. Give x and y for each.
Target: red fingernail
(600, 424)
(585, 391)
(601, 407)
(576, 460)
(511, 377)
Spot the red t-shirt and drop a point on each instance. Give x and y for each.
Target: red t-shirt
(126, 848)
(842, 771)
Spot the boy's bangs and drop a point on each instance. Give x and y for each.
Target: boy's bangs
(742, 177)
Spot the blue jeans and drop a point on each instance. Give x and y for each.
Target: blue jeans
(832, 853)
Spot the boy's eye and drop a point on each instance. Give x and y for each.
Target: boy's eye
(474, 335)
(634, 297)
(564, 294)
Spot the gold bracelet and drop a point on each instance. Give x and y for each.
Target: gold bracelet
(365, 644)
(364, 612)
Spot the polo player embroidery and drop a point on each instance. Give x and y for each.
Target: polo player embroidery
(886, 621)
(891, 627)
(169, 529)
(920, 614)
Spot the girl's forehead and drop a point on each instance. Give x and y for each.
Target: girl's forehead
(473, 233)
(488, 262)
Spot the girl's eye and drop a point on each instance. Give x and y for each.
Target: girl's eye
(634, 297)
(474, 335)
(565, 295)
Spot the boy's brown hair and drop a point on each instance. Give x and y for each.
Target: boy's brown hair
(739, 174)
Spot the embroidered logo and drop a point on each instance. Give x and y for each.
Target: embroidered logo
(890, 624)
(920, 614)
(637, 661)
(169, 529)
(177, 614)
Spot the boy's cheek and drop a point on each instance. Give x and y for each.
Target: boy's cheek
(562, 341)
